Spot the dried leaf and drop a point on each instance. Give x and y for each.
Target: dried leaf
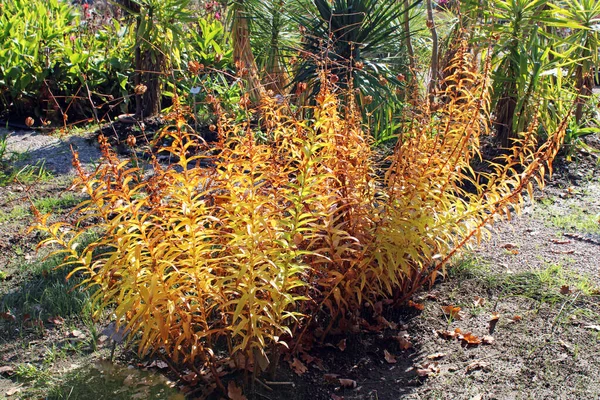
(558, 241)
(436, 356)
(565, 289)
(475, 365)
(508, 246)
(452, 311)
(570, 251)
(430, 368)
(478, 301)
(234, 392)
(12, 391)
(449, 334)
(470, 339)
(8, 316)
(389, 358)
(342, 344)
(331, 378)
(493, 321)
(336, 397)
(404, 343)
(298, 367)
(7, 369)
(516, 318)
(418, 306)
(488, 339)
(347, 383)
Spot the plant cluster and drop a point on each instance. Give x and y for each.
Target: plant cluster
(294, 222)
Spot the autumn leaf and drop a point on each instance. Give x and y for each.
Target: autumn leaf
(436, 356)
(508, 246)
(342, 344)
(389, 358)
(7, 369)
(347, 383)
(418, 306)
(446, 334)
(430, 368)
(493, 322)
(488, 339)
(234, 392)
(452, 311)
(336, 397)
(331, 378)
(478, 301)
(475, 365)
(298, 367)
(558, 241)
(565, 289)
(516, 318)
(56, 320)
(7, 315)
(470, 339)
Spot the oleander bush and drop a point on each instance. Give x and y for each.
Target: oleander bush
(233, 249)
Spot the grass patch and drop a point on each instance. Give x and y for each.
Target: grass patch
(47, 292)
(45, 204)
(571, 217)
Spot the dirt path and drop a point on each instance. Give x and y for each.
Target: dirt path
(531, 292)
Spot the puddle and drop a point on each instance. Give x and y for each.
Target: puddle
(104, 380)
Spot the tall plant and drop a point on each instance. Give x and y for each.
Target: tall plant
(582, 19)
(158, 37)
(359, 40)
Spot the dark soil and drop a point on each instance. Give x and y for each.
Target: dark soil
(539, 275)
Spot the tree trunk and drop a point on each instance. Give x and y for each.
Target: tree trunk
(242, 51)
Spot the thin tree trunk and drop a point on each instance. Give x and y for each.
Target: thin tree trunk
(408, 40)
(242, 51)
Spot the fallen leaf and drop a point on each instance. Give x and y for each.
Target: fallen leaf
(77, 333)
(12, 391)
(336, 397)
(427, 369)
(452, 311)
(508, 246)
(488, 339)
(469, 338)
(404, 343)
(348, 383)
(478, 301)
(388, 357)
(516, 318)
(436, 356)
(234, 392)
(558, 241)
(298, 367)
(342, 344)
(493, 321)
(593, 327)
(418, 306)
(7, 369)
(161, 364)
(565, 289)
(571, 251)
(56, 320)
(475, 365)
(7, 315)
(449, 334)
(331, 378)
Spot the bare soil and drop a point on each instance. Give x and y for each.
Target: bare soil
(531, 293)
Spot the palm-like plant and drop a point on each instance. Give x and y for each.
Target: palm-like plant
(158, 25)
(358, 41)
(582, 17)
(520, 59)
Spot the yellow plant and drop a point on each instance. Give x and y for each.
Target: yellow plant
(234, 255)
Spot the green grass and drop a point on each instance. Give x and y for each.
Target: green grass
(47, 293)
(572, 214)
(26, 175)
(44, 205)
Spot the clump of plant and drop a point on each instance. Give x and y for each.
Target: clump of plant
(229, 253)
